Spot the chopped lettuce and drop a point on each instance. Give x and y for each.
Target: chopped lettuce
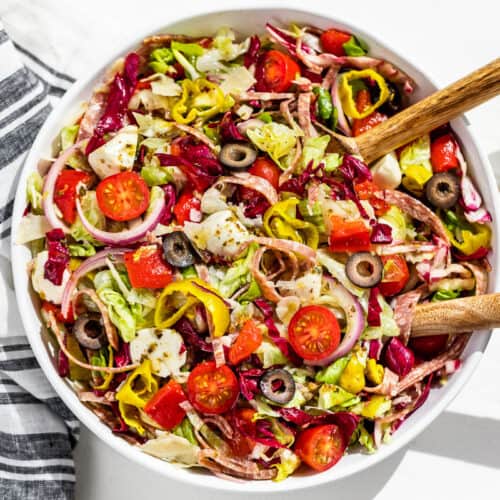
(288, 464)
(276, 139)
(314, 150)
(188, 67)
(224, 49)
(415, 164)
(331, 395)
(388, 326)
(402, 228)
(32, 227)
(34, 187)
(185, 429)
(269, 354)
(81, 249)
(332, 373)
(156, 175)
(152, 126)
(238, 274)
(68, 136)
(94, 215)
(337, 270)
(119, 312)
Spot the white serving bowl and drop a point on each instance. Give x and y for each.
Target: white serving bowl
(245, 21)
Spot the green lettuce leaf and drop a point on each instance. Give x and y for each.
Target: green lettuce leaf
(94, 215)
(34, 187)
(388, 326)
(288, 464)
(331, 395)
(332, 373)
(156, 175)
(270, 355)
(314, 150)
(273, 138)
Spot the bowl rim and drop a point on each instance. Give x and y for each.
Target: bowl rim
(85, 415)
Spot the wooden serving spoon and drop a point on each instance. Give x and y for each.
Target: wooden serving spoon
(422, 117)
(480, 312)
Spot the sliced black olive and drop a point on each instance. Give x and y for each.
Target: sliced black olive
(364, 269)
(177, 249)
(89, 331)
(237, 155)
(278, 386)
(443, 190)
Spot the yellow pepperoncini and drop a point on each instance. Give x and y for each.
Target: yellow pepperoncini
(353, 376)
(76, 372)
(349, 100)
(374, 372)
(199, 98)
(108, 377)
(194, 289)
(137, 390)
(280, 221)
(472, 239)
(416, 177)
(376, 407)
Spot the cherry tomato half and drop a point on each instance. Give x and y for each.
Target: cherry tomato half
(276, 71)
(164, 407)
(182, 209)
(123, 196)
(267, 169)
(320, 447)
(212, 389)
(314, 332)
(396, 275)
(332, 41)
(146, 268)
(247, 341)
(65, 192)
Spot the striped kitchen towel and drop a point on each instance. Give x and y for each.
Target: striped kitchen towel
(37, 432)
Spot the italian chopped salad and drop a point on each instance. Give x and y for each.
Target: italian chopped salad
(225, 290)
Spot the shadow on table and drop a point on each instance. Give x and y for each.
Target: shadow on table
(452, 435)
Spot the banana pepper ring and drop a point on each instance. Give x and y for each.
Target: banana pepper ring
(108, 377)
(137, 390)
(280, 221)
(472, 240)
(195, 290)
(349, 100)
(199, 98)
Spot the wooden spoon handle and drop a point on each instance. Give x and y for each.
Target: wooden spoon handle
(479, 312)
(433, 111)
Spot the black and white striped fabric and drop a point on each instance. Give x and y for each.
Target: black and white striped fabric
(37, 432)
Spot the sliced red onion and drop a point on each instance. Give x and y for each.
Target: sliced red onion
(481, 215)
(50, 184)
(355, 322)
(472, 199)
(130, 235)
(95, 262)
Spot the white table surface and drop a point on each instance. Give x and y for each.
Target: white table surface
(458, 455)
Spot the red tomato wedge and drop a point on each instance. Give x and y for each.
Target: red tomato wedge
(182, 209)
(314, 332)
(396, 275)
(443, 156)
(65, 192)
(320, 447)
(211, 389)
(349, 236)
(164, 407)
(146, 268)
(123, 196)
(247, 341)
(276, 71)
(56, 311)
(332, 41)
